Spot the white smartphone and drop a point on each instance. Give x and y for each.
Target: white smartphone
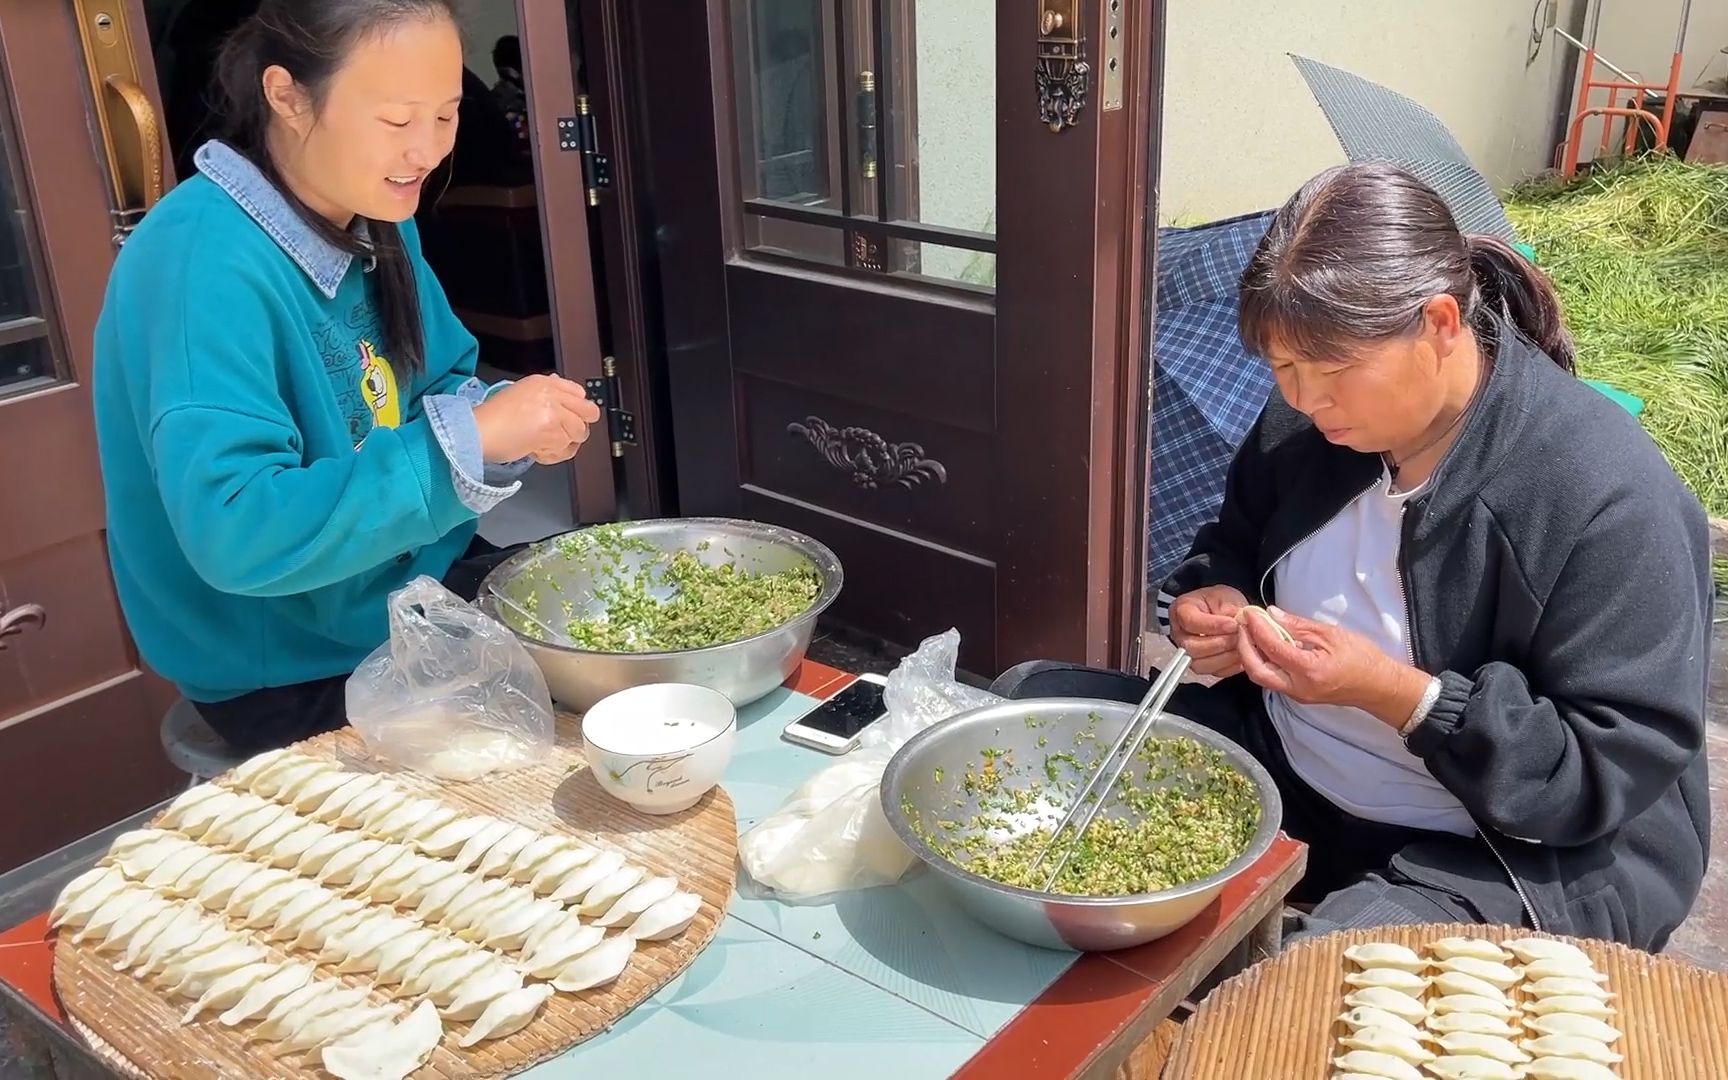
(833, 727)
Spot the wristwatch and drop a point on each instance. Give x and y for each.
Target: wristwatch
(1430, 695)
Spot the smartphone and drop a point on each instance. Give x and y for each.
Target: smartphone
(833, 727)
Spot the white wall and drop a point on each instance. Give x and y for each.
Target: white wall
(1241, 130)
(1639, 36)
(483, 23)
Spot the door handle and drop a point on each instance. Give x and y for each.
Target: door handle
(149, 129)
(20, 619)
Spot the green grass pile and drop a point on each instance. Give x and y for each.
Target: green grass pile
(1639, 254)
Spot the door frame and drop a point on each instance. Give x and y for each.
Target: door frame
(1084, 198)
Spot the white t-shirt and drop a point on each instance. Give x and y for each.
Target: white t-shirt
(1347, 574)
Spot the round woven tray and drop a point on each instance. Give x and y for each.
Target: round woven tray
(1279, 1019)
(139, 1030)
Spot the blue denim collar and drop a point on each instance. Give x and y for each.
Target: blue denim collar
(325, 263)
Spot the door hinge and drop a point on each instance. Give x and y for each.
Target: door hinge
(577, 135)
(608, 393)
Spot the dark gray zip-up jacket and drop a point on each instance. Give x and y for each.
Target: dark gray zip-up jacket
(1557, 575)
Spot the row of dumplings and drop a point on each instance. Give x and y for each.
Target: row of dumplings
(1457, 1015)
(185, 951)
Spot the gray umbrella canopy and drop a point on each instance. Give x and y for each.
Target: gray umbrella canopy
(1376, 124)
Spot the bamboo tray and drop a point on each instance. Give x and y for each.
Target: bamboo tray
(1278, 1019)
(140, 1031)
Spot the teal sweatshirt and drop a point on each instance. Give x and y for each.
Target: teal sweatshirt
(270, 477)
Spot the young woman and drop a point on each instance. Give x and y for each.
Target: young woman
(1491, 708)
(289, 422)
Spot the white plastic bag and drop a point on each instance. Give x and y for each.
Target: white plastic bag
(831, 836)
(452, 694)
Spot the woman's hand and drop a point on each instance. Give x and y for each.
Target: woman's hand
(1204, 623)
(544, 417)
(1327, 665)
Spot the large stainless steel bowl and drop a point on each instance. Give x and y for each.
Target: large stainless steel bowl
(925, 779)
(743, 670)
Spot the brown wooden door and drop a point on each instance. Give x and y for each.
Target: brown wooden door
(78, 715)
(900, 293)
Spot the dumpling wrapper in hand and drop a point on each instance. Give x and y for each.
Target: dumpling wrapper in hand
(596, 967)
(386, 1053)
(471, 997)
(508, 1015)
(265, 995)
(227, 990)
(671, 917)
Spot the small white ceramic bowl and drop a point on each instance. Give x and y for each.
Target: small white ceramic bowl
(660, 747)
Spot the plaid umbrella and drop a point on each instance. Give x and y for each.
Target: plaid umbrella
(1376, 124)
(1206, 388)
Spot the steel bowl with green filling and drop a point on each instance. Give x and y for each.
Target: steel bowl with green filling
(977, 797)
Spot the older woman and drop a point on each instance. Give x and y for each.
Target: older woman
(1482, 690)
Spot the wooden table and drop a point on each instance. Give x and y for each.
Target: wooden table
(1093, 1015)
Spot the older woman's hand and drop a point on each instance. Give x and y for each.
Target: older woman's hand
(1327, 665)
(1204, 623)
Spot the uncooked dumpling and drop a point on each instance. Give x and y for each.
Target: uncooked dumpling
(596, 967)
(134, 902)
(137, 863)
(472, 995)
(243, 774)
(430, 872)
(490, 832)
(1388, 1041)
(390, 885)
(386, 1054)
(1489, 971)
(227, 989)
(1473, 1044)
(399, 823)
(500, 855)
(190, 935)
(1480, 948)
(233, 833)
(1558, 986)
(1380, 954)
(355, 812)
(1393, 1001)
(1456, 982)
(1569, 1003)
(1554, 1068)
(187, 885)
(288, 850)
(219, 888)
(286, 776)
(193, 975)
(183, 923)
(1572, 1046)
(1374, 1064)
(670, 917)
(1470, 1067)
(184, 801)
(443, 948)
(1470, 1003)
(1528, 949)
(579, 884)
(560, 865)
(395, 958)
(317, 933)
(262, 911)
(1565, 967)
(367, 946)
(508, 1014)
(1368, 1017)
(449, 839)
(531, 858)
(291, 919)
(550, 960)
(340, 869)
(264, 996)
(379, 862)
(141, 930)
(196, 818)
(330, 810)
(336, 1024)
(441, 895)
(374, 813)
(166, 872)
(432, 816)
(1479, 1023)
(471, 916)
(437, 978)
(304, 1005)
(1587, 1027)
(640, 898)
(263, 843)
(1389, 978)
(84, 894)
(508, 929)
(309, 796)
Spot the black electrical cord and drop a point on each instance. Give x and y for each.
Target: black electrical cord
(1538, 31)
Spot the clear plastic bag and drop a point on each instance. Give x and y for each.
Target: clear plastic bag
(452, 694)
(831, 836)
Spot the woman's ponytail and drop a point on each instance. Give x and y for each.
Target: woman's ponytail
(1511, 285)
